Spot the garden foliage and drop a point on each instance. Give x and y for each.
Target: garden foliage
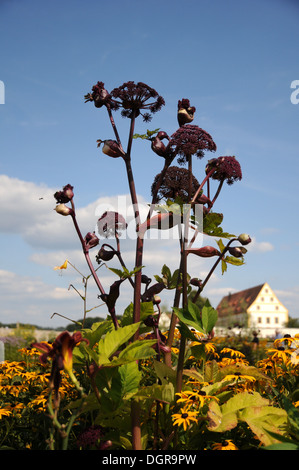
(122, 383)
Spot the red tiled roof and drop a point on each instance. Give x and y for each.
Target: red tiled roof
(239, 302)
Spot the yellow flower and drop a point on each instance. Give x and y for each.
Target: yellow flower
(232, 352)
(184, 418)
(286, 341)
(63, 266)
(279, 353)
(238, 376)
(4, 412)
(194, 397)
(225, 445)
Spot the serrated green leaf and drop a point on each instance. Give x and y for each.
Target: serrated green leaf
(223, 266)
(220, 245)
(209, 317)
(113, 341)
(163, 393)
(165, 373)
(233, 260)
(185, 316)
(137, 350)
(211, 225)
(125, 383)
(263, 419)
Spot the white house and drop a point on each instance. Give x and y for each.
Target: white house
(257, 307)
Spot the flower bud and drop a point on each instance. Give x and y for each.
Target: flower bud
(91, 240)
(185, 112)
(237, 251)
(63, 209)
(111, 148)
(205, 251)
(244, 239)
(196, 282)
(158, 146)
(105, 255)
(145, 279)
(65, 195)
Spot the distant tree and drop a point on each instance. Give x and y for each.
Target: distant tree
(293, 323)
(88, 322)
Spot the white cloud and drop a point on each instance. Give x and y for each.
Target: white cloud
(259, 247)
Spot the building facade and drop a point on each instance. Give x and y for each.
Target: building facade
(257, 307)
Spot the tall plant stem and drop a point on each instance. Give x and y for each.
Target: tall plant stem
(181, 358)
(201, 288)
(90, 265)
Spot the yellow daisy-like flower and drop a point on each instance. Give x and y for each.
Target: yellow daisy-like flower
(184, 418)
(194, 397)
(225, 445)
(232, 352)
(63, 266)
(210, 348)
(279, 353)
(239, 376)
(4, 412)
(286, 341)
(227, 361)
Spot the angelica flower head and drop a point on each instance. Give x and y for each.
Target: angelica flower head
(134, 98)
(226, 168)
(191, 140)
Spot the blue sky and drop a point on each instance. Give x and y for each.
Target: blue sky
(235, 61)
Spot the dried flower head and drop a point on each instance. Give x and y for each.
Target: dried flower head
(111, 224)
(185, 112)
(66, 195)
(136, 97)
(100, 96)
(227, 168)
(175, 184)
(191, 140)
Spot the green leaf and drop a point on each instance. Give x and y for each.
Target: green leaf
(146, 136)
(142, 349)
(146, 309)
(201, 321)
(220, 245)
(223, 266)
(165, 373)
(233, 260)
(263, 420)
(163, 393)
(225, 417)
(114, 340)
(211, 225)
(96, 331)
(187, 316)
(209, 317)
(125, 383)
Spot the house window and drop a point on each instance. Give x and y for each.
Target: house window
(276, 320)
(271, 299)
(268, 320)
(257, 307)
(262, 299)
(266, 290)
(259, 320)
(277, 307)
